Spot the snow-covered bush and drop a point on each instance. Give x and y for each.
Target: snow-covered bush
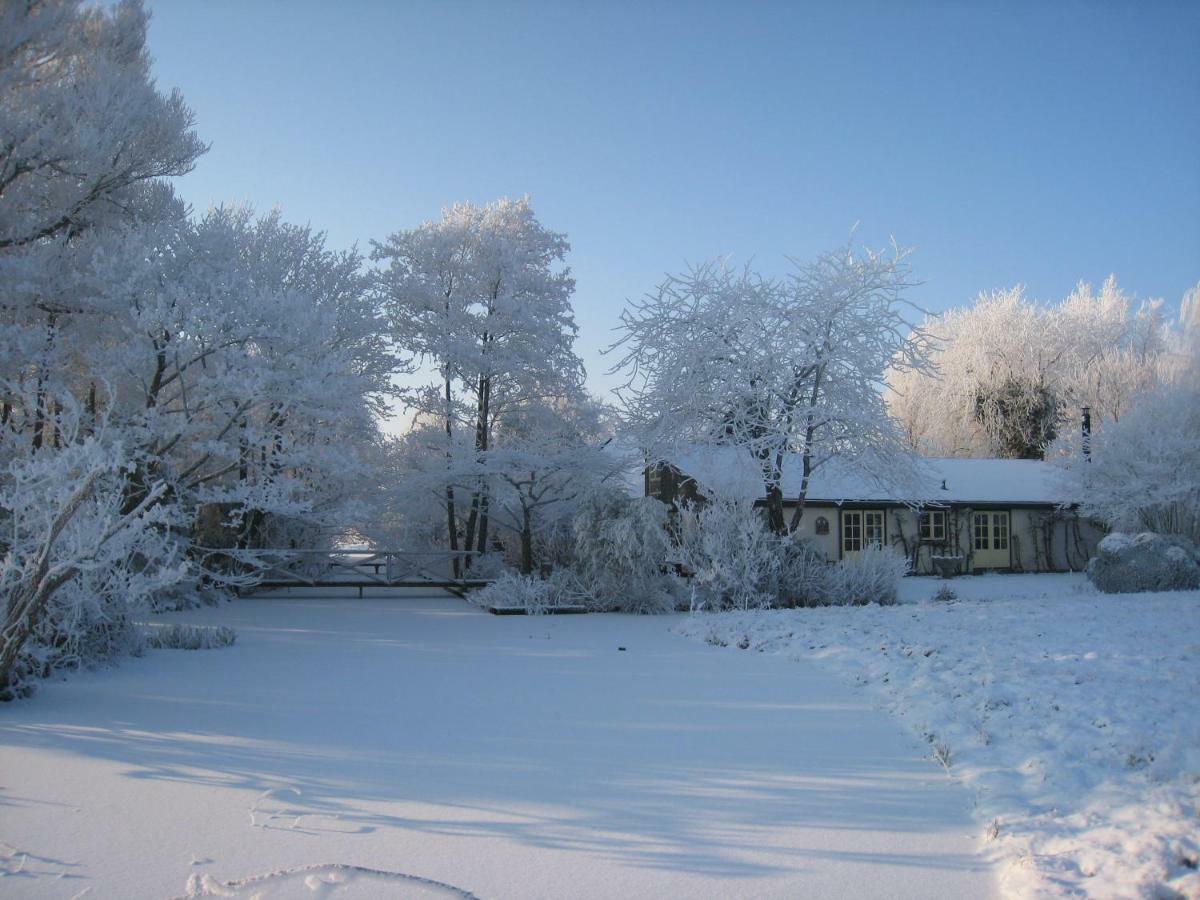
(804, 574)
(1144, 562)
(489, 566)
(188, 637)
(872, 576)
(736, 562)
(622, 549)
(733, 559)
(530, 593)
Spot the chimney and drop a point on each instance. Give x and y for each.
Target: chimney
(1087, 433)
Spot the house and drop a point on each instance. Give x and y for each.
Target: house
(1003, 515)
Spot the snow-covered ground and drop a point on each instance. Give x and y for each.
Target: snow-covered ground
(1073, 716)
(421, 748)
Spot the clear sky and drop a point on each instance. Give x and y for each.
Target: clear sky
(1009, 143)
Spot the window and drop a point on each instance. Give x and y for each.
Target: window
(822, 525)
(873, 527)
(933, 525)
(1000, 531)
(981, 521)
(991, 530)
(861, 528)
(851, 532)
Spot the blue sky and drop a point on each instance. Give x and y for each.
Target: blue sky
(1008, 143)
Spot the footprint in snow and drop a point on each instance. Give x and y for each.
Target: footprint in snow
(332, 880)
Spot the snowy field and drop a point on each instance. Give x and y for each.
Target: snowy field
(417, 747)
(1072, 716)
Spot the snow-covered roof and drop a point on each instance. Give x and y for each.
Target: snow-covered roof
(732, 472)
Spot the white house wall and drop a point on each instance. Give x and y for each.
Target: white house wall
(1072, 540)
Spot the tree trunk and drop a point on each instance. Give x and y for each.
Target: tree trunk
(526, 541)
(477, 523)
(40, 398)
(803, 495)
(775, 510)
(483, 520)
(451, 519)
(28, 602)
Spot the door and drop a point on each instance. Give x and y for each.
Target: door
(990, 540)
(861, 528)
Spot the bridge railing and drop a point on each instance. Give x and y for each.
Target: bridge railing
(277, 568)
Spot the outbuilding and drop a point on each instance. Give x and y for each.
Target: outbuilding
(1001, 515)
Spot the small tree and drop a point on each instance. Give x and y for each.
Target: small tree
(546, 459)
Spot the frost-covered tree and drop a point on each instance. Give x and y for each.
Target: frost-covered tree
(1009, 374)
(232, 384)
(1143, 472)
(167, 384)
(777, 367)
(547, 457)
(482, 298)
(83, 129)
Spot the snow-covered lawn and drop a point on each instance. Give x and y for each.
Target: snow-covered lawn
(491, 756)
(1073, 716)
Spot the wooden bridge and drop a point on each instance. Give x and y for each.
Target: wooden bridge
(445, 569)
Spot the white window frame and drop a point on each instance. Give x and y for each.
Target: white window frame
(856, 524)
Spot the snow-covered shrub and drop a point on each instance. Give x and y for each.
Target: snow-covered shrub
(489, 565)
(736, 562)
(804, 574)
(622, 548)
(733, 560)
(872, 576)
(188, 637)
(554, 545)
(1144, 562)
(530, 593)
(945, 594)
(77, 560)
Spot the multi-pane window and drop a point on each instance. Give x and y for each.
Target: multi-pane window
(873, 527)
(861, 528)
(933, 525)
(1000, 531)
(990, 530)
(981, 530)
(851, 532)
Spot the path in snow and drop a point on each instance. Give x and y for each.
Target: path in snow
(497, 756)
